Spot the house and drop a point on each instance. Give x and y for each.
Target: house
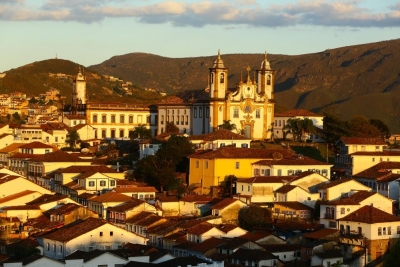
(357, 154)
(119, 214)
(231, 245)
(259, 189)
(19, 198)
(201, 250)
(335, 189)
(22, 212)
(86, 235)
(383, 178)
(285, 252)
(327, 258)
(168, 204)
(195, 205)
(73, 119)
(228, 210)
(370, 227)
(10, 184)
(100, 203)
(35, 260)
(219, 138)
(292, 210)
(330, 211)
(231, 230)
(289, 165)
(157, 234)
(209, 168)
(141, 221)
(8, 151)
(203, 231)
(254, 257)
(87, 133)
(281, 120)
(50, 201)
(263, 237)
(69, 213)
(293, 193)
(143, 192)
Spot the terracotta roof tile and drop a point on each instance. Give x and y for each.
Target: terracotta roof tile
(64, 209)
(22, 207)
(200, 229)
(297, 113)
(134, 189)
(291, 160)
(75, 117)
(163, 228)
(377, 153)
(362, 141)
(321, 233)
(264, 179)
(139, 216)
(335, 183)
(46, 198)
(74, 230)
(354, 199)
(16, 196)
(111, 197)
(92, 168)
(224, 203)
(87, 196)
(24, 156)
(378, 171)
(226, 228)
(285, 189)
(238, 152)
(36, 145)
(58, 156)
(11, 148)
(252, 255)
(126, 206)
(221, 134)
(207, 245)
(256, 235)
(196, 198)
(369, 214)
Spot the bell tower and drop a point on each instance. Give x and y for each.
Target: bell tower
(266, 79)
(218, 79)
(79, 89)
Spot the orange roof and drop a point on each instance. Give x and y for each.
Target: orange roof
(58, 156)
(370, 214)
(362, 141)
(11, 148)
(36, 145)
(321, 233)
(135, 189)
(224, 203)
(111, 197)
(221, 134)
(16, 195)
(238, 152)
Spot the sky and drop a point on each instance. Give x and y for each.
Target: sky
(89, 32)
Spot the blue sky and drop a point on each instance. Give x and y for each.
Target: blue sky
(91, 31)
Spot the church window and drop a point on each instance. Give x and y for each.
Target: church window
(121, 133)
(195, 112)
(236, 113)
(95, 118)
(247, 109)
(258, 113)
(130, 119)
(122, 119)
(182, 120)
(104, 118)
(212, 77)
(200, 112)
(177, 120)
(221, 78)
(187, 120)
(162, 119)
(269, 80)
(112, 118)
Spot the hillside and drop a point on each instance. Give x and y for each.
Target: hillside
(355, 80)
(38, 77)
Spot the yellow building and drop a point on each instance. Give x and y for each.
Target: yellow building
(209, 168)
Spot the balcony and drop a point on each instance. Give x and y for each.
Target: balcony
(329, 216)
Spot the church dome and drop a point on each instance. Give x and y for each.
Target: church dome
(79, 76)
(265, 64)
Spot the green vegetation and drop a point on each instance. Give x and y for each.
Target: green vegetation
(393, 258)
(318, 151)
(252, 216)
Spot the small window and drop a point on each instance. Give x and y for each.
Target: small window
(384, 230)
(130, 119)
(102, 183)
(111, 233)
(104, 118)
(237, 165)
(342, 211)
(54, 247)
(91, 183)
(206, 164)
(122, 119)
(380, 231)
(197, 164)
(195, 112)
(236, 113)
(389, 230)
(47, 246)
(101, 233)
(95, 118)
(112, 183)
(221, 78)
(258, 114)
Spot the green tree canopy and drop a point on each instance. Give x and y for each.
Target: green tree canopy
(72, 139)
(393, 258)
(140, 132)
(382, 127)
(228, 125)
(171, 128)
(252, 216)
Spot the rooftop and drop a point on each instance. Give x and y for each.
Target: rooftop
(370, 215)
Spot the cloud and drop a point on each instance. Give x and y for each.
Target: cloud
(347, 13)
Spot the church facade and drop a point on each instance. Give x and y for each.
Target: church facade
(250, 106)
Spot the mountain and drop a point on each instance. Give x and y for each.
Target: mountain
(38, 77)
(354, 80)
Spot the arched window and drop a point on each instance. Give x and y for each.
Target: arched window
(269, 80)
(221, 78)
(380, 231)
(95, 118)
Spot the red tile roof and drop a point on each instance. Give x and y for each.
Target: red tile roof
(126, 206)
(226, 228)
(58, 156)
(111, 197)
(376, 153)
(221, 134)
(265, 179)
(256, 235)
(200, 229)
(207, 245)
(379, 171)
(64, 209)
(22, 207)
(46, 198)
(139, 216)
(24, 156)
(75, 230)
(238, 152)
(362, 141)
(11, 148)
(321, 233)
(36, 145)
(335, 183)
(224, 203)
(91, 168)
(291, 160)
(297, 113)
(135, 189)
(354, 199)
(16, 195)
(370, 215)
(196, 198)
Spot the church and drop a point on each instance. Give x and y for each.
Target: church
(250, 106)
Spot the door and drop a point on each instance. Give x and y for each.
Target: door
(247, 131)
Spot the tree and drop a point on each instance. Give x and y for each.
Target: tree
(72, 139)
(16, 116)
(228, 125)
(160, 169)
(306, 127)
(140, 132)
(393, 258)
(334, 127)
(8, 117)
(227, 185)
(293, 126)
(361, 127)
(253, 216)
(171, 128)
(382, 127)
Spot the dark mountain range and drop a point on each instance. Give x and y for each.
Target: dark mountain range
(355, 80)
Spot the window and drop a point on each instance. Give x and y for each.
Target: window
(377, 148)
(236, 113)
(162, 119)
(112, 183)
(95, 118)
(103, 133)
(54, 247)
(269, 80)
(380, 231)
(102, 183)
(182, 120)
(60, 249)
(373, 159)
(398, 230)
(258, 113)
(362, 148)
(389, 230)
(104, 118)
(207, 112)
(47, 151)
(47, 246)
(121, 133)
(130, 119)
(384, 230)
(212, 77)
(342, 211)
(111, 233)
(91, 183)
(195, 112)
(112, 118)
(187, 120)
(148, 119)
(200, 112)
(237, 165)
(121, 119)
(206, 164)
(247, 109)
(101, 233)
(221, 78)
(197, 163)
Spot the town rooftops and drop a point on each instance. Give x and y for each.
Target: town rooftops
(265, 179)
(238, 152)
(24, 156)
(75, 229)
(196, 198)
(16, 196)
(221, 134)
(297, 113)
(126, 206)
(370, 214)
(58, 156)
(291, 160)
(362, 141)
(11, 148)
(122, 190)
(46, 198)
(335, 183)
(285, 189)
(82, 169)
(381, 172)
(207, 245)
(22, 207)
(224, 203)
(376, 153)
(252, 255)
(319, 234)
(353, 199)
(36, 144)
(75, 117)
(111, 197)
(63, 209)
(200, 229)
